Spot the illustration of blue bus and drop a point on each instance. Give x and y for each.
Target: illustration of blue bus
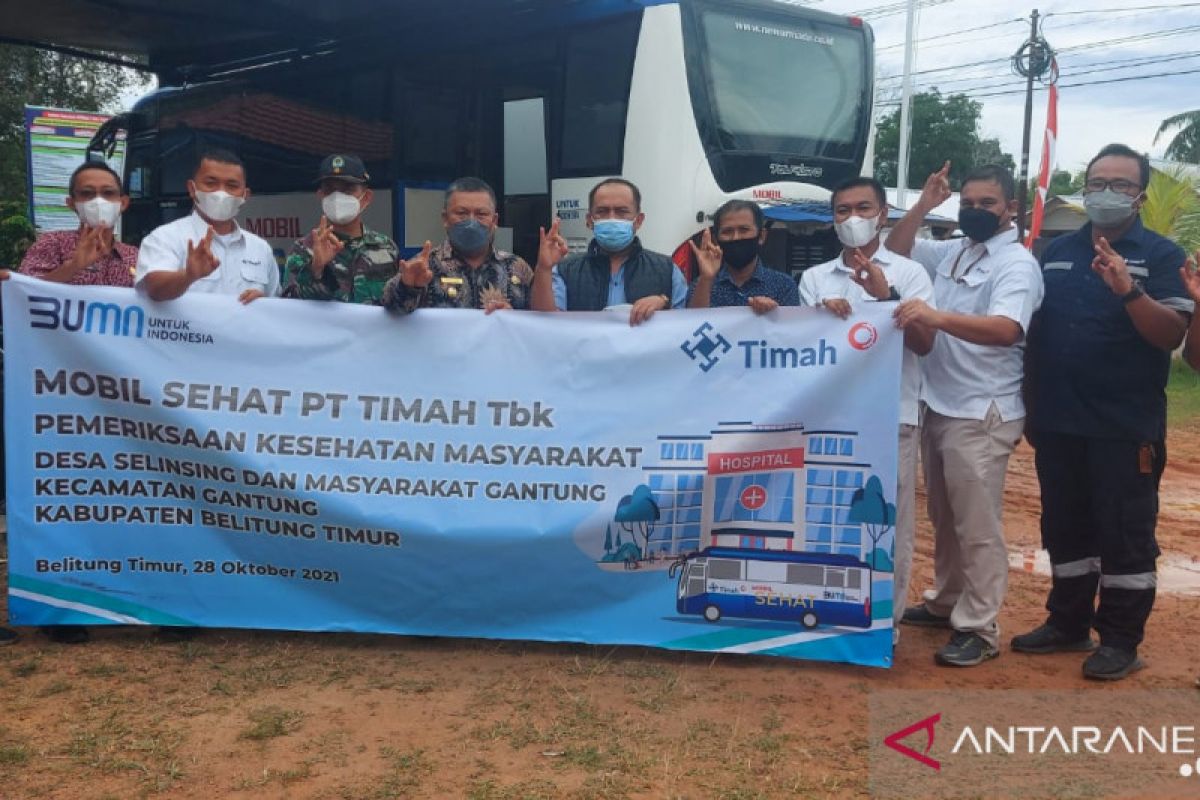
(809, 588)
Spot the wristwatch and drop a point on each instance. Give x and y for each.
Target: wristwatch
(893, 295)
(1132, 294)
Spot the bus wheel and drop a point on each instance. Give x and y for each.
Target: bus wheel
(809, 620)
(712, 613)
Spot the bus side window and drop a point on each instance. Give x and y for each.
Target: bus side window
(805, 575)
(766, 571)
(720, 569)
(835, 578)
(853, 579)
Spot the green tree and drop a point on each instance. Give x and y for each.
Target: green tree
(988, 151)
(943, 128)
(16, 233)
(1172, 207)
(1061, 183)
(1185, 143)
(29, 76)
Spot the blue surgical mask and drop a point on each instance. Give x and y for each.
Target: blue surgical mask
(614, 235)
(469, 236)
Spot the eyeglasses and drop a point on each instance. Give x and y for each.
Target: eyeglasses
(1119, 185)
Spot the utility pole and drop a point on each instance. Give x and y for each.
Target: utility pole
(905, 107)
(1031, 61)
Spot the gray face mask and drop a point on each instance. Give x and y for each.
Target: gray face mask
(1108, 209)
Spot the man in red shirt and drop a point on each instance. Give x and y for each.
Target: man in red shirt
(89, 255)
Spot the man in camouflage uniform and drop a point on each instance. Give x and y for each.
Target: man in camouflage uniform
(466, 270)
(341, 259)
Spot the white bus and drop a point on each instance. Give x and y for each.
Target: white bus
(695, 101)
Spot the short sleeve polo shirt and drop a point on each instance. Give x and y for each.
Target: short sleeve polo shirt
(246, 260)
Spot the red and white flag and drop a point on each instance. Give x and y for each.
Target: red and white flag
(1048, 145)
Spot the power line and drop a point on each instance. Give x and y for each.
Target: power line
(1068, 85)
(1164, 7)
(896, 8)
(1078, 70)
(957, 33)
(1075, 48)
(1108, 80)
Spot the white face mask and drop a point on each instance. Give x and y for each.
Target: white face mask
(219, 206)
(857, 231)
(99, 213)
(341, 208)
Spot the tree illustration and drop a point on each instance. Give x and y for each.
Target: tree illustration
(637, 512)
(869, 507)
(608, 543)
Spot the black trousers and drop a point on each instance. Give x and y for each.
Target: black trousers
(1099, 509)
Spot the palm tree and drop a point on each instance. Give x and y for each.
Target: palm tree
(1185, 144)
(1172, 207)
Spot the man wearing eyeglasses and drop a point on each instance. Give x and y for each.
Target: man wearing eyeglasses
(1099, 357)
(466, 270)
(90, 254)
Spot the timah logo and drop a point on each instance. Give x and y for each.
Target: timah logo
(706, 347)
(926, 725)
(75, 315)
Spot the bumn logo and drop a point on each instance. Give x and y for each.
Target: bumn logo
(926, 725)
(74, 315)
(706, 347)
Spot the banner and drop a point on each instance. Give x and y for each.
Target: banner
(1049, 144)
(711, 480)
(56, 143)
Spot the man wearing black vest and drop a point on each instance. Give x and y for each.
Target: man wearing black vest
(615, 270)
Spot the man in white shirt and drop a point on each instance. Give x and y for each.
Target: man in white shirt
(865, 272)
(207, 251)
(987, 287)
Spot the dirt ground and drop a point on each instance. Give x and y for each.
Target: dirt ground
(248, 715)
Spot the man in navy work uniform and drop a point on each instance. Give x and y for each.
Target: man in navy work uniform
(1099, 356)
(731, 269)
(616, 270)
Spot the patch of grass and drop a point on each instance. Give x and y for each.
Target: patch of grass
(13, 754)
(526, 790)
(603, 786)
(406, 772)
(518, 733)
(53, 688)
(1183, 394)
(286, 777)
(145, 748)
(271, 722)
(655, 694)
(26, 668)
(103, 670)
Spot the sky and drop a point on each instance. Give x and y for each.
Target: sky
(1107, 38)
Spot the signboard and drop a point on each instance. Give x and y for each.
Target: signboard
(56, 143)
(711, 480)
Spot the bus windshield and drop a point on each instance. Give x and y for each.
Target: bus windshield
(783, 84)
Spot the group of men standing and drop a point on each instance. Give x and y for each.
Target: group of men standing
(1072, 353)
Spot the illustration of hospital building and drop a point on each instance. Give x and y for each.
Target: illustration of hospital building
(774, 487)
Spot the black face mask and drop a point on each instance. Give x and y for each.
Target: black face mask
(740, 253)
(978, 224)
